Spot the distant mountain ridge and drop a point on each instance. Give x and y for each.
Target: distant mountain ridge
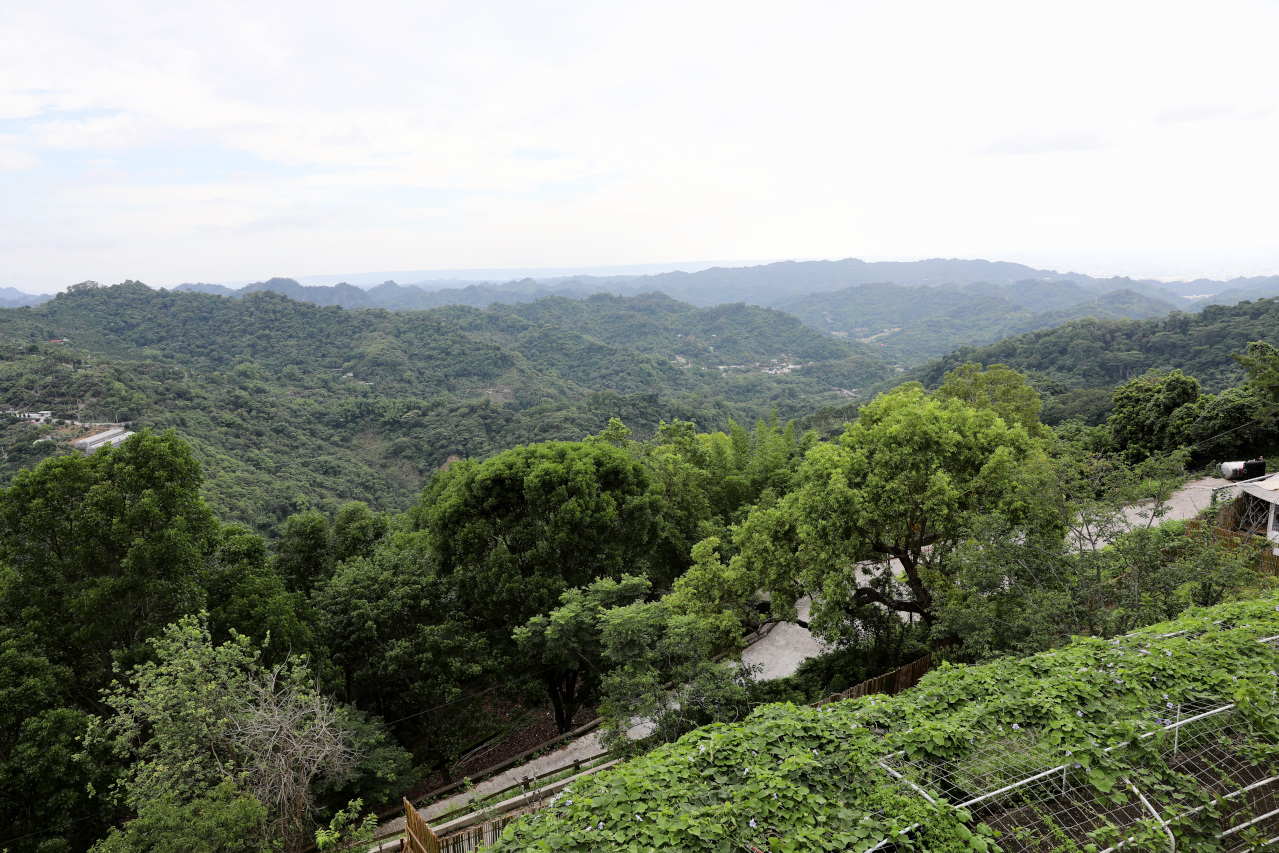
(769, 285)
(913, 324)
(397, 297)
(909, 311)
(13, 298)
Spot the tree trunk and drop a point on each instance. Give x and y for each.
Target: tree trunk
(562, 688)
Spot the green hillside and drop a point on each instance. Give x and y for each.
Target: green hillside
(1077, 365)
(913, 324)
(1101, 353)
(290, 405)
(656, 324)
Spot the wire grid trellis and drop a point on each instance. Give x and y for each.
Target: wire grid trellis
(1040, 799)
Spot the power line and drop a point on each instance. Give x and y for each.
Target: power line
(50, 829)
(1253, 422)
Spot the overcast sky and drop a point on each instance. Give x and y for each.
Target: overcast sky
(174, 141)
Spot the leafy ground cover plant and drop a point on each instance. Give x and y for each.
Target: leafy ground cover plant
(917, 770)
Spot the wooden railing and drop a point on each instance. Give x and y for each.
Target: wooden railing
(474, 831)
(420, 838)
(891, 683)
(482, 828)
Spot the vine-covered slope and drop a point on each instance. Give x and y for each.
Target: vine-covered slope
(798, 778)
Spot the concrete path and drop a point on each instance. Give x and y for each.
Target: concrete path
(582, 749)
(1186, 502)
(785, 647)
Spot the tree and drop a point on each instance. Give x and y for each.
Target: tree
(400, 649)
(1262, 363)
(1023, 590)
(514, 532)
(43, 777)
(713, 590)
(302, 553)
(1142, 423)
(210, 723)
(902, 484)
(104, 550)
(246, 596)
(223, 819)
(661, 672)
(1235, 424)
(565, 644)
(356, 530)
(97, 553)
(999, 388)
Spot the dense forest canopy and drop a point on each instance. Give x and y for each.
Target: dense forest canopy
(290, 405)
(358, 543)
(1076, 365)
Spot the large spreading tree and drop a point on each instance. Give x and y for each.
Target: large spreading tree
(513, 532)
(895, 494)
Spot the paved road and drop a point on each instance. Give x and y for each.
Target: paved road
(785, 647)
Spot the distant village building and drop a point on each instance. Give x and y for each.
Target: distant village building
(92, 443)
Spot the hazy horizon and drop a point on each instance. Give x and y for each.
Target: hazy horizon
(1099, 269)
(229, 142)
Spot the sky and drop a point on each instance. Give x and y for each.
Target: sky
(174, 141)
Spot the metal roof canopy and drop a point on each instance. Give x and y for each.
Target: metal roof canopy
(1266, 488)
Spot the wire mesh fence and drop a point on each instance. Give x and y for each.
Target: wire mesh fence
(1198, 768)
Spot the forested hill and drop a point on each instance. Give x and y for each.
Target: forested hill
(290, 405)
(912, 324)
(396, 297)
(656, 324)
(1077, 365)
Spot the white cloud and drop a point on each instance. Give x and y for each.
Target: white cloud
(1029, 143)
(1194, 112)
(248, 138)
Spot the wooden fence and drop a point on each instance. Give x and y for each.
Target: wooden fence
(1267, 563)
(484, 827)
(891, 683)
(420, 838)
